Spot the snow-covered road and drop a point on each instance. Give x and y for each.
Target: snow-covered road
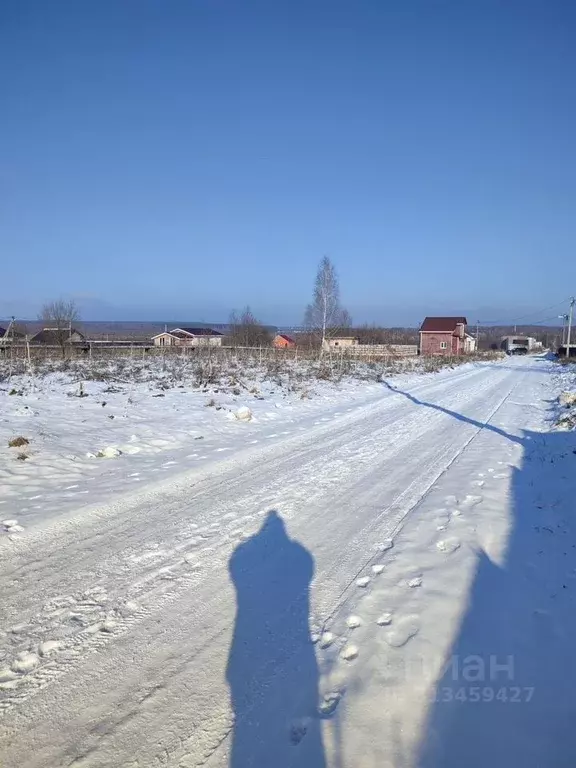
(272, 609)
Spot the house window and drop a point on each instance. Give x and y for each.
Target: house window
(443, 345)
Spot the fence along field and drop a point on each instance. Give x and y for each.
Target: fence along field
(105, 349)
(292, 369)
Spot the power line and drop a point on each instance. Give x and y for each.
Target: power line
(543, 322)
(523, 317)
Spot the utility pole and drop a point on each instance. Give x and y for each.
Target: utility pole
(477, 333)
(570, 314)
(563, 318)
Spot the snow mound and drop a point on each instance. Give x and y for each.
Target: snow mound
(110, 452)
(243, 413)
(326, 639)
(406, 629)
(350, 652)
(448, 545)
(48, 647)
(414, 582)
(25, 662)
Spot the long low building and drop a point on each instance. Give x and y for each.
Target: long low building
(188, 337)
(520, 345)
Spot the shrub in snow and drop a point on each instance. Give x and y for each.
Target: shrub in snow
(567, 399)
(18, 442)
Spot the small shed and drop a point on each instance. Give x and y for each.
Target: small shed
(282, 341)
(57, 336)
(341, 342)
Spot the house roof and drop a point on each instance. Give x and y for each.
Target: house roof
(10, 333)
(197, 331)
(442, 324)
(168, 333)
(53, 335)
(285, 337)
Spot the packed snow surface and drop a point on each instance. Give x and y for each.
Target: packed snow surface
(380, 576)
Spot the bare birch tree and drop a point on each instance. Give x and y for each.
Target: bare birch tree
(59, 317)
(325, 314)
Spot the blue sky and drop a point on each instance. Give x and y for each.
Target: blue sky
(178, 159)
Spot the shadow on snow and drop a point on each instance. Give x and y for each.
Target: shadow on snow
(454, 414)
(507, 695)
(272, 670)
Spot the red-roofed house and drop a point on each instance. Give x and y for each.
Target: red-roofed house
(443, 336)
(281, 341)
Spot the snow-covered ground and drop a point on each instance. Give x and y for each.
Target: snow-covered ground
(152, 423)
(383, 575)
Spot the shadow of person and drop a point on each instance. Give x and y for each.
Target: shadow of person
(272, 670)
(506, 695)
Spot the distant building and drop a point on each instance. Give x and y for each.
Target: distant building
(188, 337)
(282, 341)
(520, 345)
(469, 344)
(444, 336)
(56, 336)
(339, 342)
(10, 334)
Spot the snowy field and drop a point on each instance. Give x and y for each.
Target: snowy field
(379, 574)
(154, 420)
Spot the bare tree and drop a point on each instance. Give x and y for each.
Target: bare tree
(325, 315)
(59, 316)
(247, 331)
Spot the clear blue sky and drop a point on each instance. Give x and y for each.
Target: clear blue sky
(180, 158)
